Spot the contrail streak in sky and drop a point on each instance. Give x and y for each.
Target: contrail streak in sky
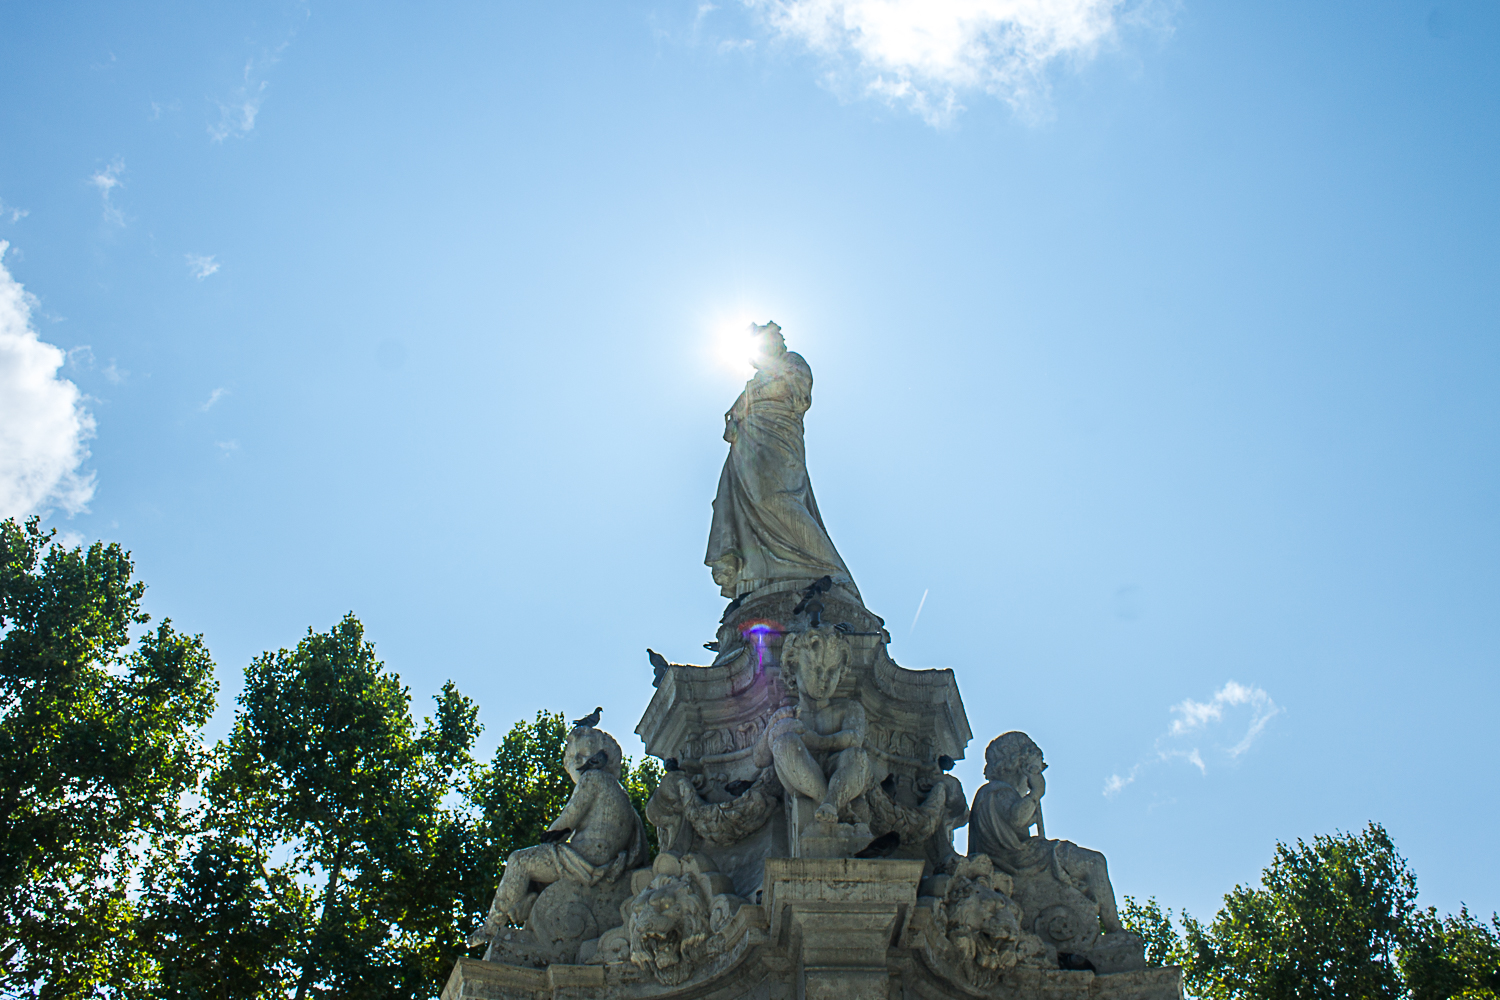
(919, 610)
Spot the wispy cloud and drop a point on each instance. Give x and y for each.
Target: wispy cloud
(926, 55)
(44, 426)
(106, 180)
(16, 214)
(200, 266)
(240, 108)
(1231, 706)
(213, 398)
(237, 112)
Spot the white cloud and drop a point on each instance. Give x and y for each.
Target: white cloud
(200, 266)
(926, 54)
(237, 115)
(106, 181)
(16, 214)
(213, 398)
(1231, 704)
(43, 423)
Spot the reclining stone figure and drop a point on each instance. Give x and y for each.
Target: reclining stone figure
(1063, 888)
(600, 841)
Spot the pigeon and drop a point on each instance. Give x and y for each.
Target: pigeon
(553, 836)
(946, 763)
(820, 586)
(881, 847)
(670, 764)
(588, 721)
(1075, 963)
(889, 784)
(738, 788)
(598, 762)
(659, 664)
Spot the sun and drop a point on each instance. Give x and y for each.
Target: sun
(731, 345)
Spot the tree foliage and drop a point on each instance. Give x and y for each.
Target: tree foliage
(98, 743)
(1454, 956)
(1331, 919)
(326, 772)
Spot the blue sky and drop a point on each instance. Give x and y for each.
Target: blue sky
(1155, 343)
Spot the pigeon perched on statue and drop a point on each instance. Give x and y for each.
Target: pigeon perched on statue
(588, 721)
(597, 762)
(820, 586)
(738, 787)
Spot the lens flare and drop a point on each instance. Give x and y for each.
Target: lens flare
(757, 634)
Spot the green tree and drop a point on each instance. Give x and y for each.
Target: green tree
(325, 768)
(1454, 956)
(1155, 927)
(1326, 923)
(98, 744)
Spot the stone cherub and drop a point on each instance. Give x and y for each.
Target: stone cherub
(1049, 874)
(818, 748)
(595, 841)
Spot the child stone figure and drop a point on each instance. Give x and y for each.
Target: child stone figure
(820, 750)
(606, 841)
(1008, 806)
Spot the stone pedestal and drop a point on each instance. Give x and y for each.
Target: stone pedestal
(838, 918)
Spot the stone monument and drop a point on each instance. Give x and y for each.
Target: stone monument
(806, 817)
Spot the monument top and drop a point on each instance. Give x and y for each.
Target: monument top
(767, 531)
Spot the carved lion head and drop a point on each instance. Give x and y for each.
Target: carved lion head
(669, 923)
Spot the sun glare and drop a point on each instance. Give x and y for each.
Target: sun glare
(732, 346)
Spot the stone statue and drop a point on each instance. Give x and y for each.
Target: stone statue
(818, 748)
(599, 840)
(1064, 889)
(670, 925)
(766, 526)
(978, 926)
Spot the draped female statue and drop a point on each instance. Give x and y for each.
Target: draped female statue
(766, 526)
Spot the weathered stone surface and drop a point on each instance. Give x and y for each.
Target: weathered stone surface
(1064, 890)
(585, 869)
(840, 928)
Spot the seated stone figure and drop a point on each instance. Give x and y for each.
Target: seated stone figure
(1061, 886)
(818, 749)
(600, 840)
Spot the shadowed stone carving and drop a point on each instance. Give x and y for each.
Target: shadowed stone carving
(676, 800)
(584, 875)
(669, 926)
(976, 928)
(1064, 890)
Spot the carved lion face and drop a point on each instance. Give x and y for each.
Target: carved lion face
(984, 928)
(668, 924)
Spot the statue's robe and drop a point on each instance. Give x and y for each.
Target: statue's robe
(994, 830)
(766, 526)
